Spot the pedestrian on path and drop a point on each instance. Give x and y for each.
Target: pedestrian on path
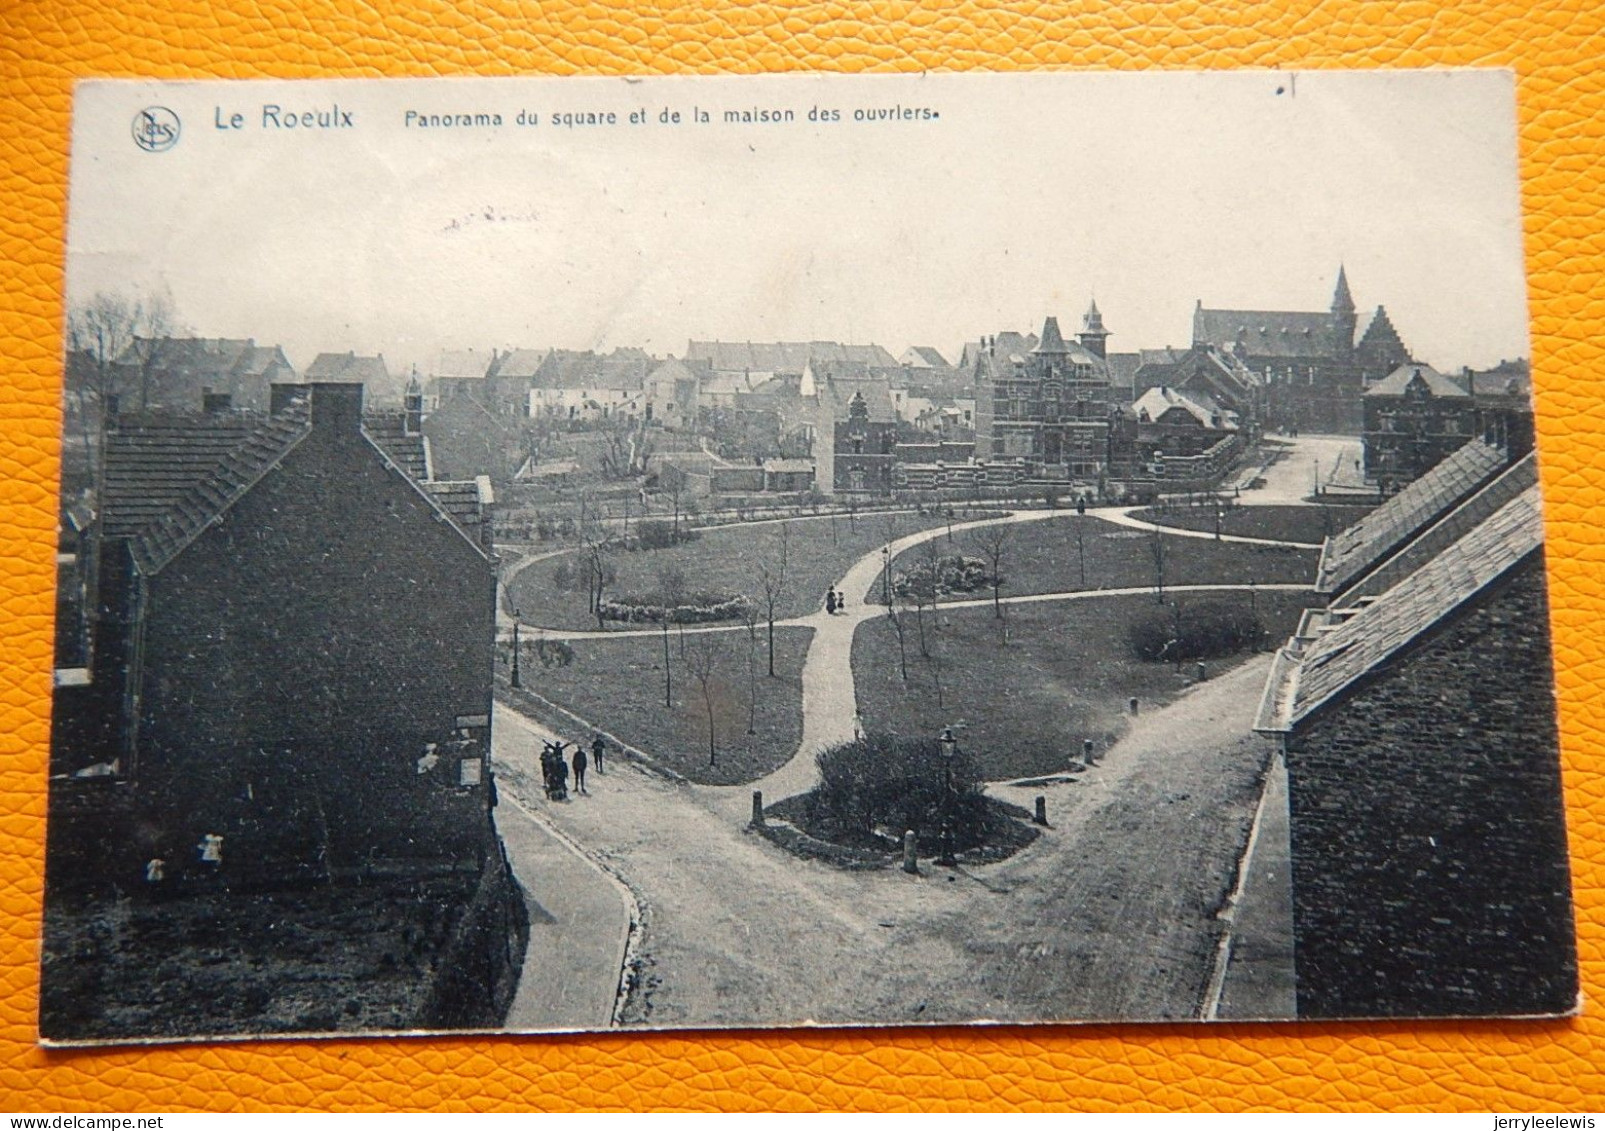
(579, 769)
(598, 748)
(830, 601)
(841, 603)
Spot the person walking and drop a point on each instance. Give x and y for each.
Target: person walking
(579, 769)
(598, 748)
(830, 601)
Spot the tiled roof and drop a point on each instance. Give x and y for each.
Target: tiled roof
(164, 537)
(153, 460)
(350, 368)
(463, 499)
(782, 357)
(410, 451)
(1519, 477)
(1268, 333)
(1396, 383)
(576, 369)
(1339, 656)
(1363, 546)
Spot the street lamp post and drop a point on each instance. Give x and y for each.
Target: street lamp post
(1219, 514)
(886, 575)
(950, 746)
(516, 681)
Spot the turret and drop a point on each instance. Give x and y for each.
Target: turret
(1093, 336)
(1343, 320)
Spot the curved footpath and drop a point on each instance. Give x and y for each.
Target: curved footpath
(750, 936)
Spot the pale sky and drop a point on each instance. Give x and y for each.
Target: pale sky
(1026, 196)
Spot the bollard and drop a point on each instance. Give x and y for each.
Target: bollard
(1133, 704)
(757, 809)
(1202, 673)
(911, 853)
(1042, 811)
(1086, 750)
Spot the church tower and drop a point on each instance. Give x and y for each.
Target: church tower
(1343, 319)
(1093, 336)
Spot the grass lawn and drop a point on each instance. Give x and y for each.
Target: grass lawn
(618, 685)
(1045, 557)
(1065, 675)
(724, 560)
(1308, 524)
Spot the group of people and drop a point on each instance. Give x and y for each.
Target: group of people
(555, 767)
(834, 601)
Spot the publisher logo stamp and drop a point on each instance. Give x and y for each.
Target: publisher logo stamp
(155, 129)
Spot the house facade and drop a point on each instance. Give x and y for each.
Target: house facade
(292, 653)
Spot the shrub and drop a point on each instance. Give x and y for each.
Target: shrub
(882, 780)
(659, 534)
(695, 608)
(953, 574)
(1194, 632)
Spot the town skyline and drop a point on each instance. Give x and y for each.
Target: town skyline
(1146, 197)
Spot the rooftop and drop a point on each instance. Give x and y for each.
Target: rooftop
(1365, 545)
(1312, 671)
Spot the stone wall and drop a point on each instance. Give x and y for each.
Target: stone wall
(1429, 845)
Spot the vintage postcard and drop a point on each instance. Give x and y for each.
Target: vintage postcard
(563, 554)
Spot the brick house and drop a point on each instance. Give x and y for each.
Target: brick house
(854, 429)
(1414, 418)
(1046, 408)
(1417, 722)
(292, 651)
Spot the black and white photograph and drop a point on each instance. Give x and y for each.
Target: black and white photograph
(543, 555)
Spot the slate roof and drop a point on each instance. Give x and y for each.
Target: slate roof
(1199, 405)
(411, 452)
(349, 368)
(1312, 673)
(1396, 383)
(1123, 369)
(460, 364)
(1517, 478)
(582, 369)
(928, 356)
(1508, 378)
(464, 500)
(519, 363)
(1268, 333)
(782, 357)
(153, 460)
(1051, 341)
(1362, 547)
(840, 381)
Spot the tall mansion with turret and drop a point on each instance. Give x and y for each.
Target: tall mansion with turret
(1045, 403)
(1315, 365)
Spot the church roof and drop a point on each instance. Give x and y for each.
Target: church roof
(1268, 333)
(1342, 300)
(1362, 547)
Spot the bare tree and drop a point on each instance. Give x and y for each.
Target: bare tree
(1156, 550)
(902, 653)
(702, 660)
(993, 543)
(1081, 547)
(749, 618)
(101, 331)
(772, 569)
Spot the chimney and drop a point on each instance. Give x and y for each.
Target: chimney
(412, 418)
(282, 394)
(336, 407)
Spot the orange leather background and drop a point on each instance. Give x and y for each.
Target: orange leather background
(1554, 48)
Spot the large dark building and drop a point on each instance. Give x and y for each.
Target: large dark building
(1417, 720)
(1046, 406)
(192, 374)
(290, 651)
(1315, 365)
